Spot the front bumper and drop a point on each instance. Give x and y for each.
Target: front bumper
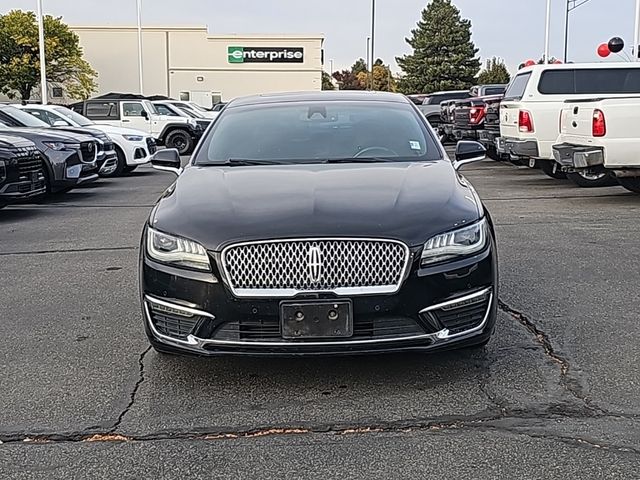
(520, 148)
(107, 162)
(19, 188)
(578, 157)
(443, 308)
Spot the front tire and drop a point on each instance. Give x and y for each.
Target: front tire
(180, 140)
(587, 179)
(630, 183)
(552, 169)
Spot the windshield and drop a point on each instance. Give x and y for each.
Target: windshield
(75, 117)
(308, 132)
(24, 118)
(189, 111)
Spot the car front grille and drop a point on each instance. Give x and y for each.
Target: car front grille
(29, 160)
(343, 266)
(88, 151)
(268, 330)
(151, 145)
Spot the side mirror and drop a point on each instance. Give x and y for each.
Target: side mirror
(469, 152)
(167, 160)
(60, 123)
(144, 114)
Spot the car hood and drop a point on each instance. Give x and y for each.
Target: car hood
(111, 130)
(47, 135)
(410, 202)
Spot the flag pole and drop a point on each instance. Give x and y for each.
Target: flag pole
(43, 63)
(548, 32)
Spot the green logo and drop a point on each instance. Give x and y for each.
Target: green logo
(236, 54)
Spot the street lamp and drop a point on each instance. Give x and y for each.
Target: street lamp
(42, 53)
(571, 6)
(140, 78)
(373, 36)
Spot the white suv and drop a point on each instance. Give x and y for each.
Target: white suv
(133, 147)
(530, 110)
(173, 132)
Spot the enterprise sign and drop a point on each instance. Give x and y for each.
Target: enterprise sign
(265, 55)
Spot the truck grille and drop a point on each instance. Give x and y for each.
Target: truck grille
(88, 151)
(343, 266)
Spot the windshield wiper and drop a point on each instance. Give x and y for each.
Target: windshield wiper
(240, 162)
(363, 160)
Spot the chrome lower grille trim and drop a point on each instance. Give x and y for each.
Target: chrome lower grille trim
(343, 266)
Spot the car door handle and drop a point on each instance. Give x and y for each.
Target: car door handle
(126, 121)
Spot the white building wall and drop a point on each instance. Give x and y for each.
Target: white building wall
(187, 59)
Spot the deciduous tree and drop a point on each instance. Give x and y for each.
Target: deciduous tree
(20, 57)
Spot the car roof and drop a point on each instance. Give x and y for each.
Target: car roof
(573, 66)
(320, 96)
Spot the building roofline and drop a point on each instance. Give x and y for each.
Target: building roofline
(204, 29)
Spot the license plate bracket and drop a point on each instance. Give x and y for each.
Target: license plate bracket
(316, 319)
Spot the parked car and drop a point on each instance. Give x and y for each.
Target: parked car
(599, 140)
(173, 132)
(69, 159)
(132, 147)
(243, 254)
(430, 107)
(489, 133)
(167, 108)
(105, 155)
(21, 170)
(530, 111)
(470, 115)
(193, 109)
(488, 90)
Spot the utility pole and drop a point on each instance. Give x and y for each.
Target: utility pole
(43, 63)
(373, 36)
(571, 6)
(547, 32)
(140, 70)
(636, 35)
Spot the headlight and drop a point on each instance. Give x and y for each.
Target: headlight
(462, 242)
(3, 171)
(133, 138)
(176, 251)
(57, 145)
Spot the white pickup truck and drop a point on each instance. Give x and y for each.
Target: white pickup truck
(530, 110)
(601, 135)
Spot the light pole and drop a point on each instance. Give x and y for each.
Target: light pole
(331, 67)
(140, 72)
(373, 37)
(636, 35)
(547, 32)
(571, 6)
(43, 66)
(368, 61)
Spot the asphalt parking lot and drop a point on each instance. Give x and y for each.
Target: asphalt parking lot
(554, 395)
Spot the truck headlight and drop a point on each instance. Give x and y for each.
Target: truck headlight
(176, 251)
(59, 145)
(461, 242)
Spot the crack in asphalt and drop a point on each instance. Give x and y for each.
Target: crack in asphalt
(569, 382)
(134, 392)
(70, 250)
(485, 422)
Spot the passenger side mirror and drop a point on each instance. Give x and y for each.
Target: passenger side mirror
(167, 160)
(468, 152)
(144, 114)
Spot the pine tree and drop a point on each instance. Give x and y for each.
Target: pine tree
(444, 57)
(495, 72)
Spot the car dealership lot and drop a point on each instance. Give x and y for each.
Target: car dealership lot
(557, 391)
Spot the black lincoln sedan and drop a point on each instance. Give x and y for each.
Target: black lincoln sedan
(318, 223)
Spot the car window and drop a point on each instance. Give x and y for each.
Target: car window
(494, 90)
(133, 109)
(591, 81)
(164, 110)
(517, 87)
(75, 117)
(21, 118)
(312, 131)
(102, 110)
(41, 115)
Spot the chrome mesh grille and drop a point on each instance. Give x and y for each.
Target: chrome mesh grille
(343, 266)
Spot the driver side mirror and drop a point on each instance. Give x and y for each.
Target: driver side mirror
(468, 152)
(167, 160)
(144, 114)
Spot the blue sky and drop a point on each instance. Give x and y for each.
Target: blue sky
(511, 29)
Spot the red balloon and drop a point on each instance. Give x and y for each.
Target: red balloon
(528, 63)
(603, 50)
(558, 62)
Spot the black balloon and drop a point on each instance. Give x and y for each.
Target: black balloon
(616, 44)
